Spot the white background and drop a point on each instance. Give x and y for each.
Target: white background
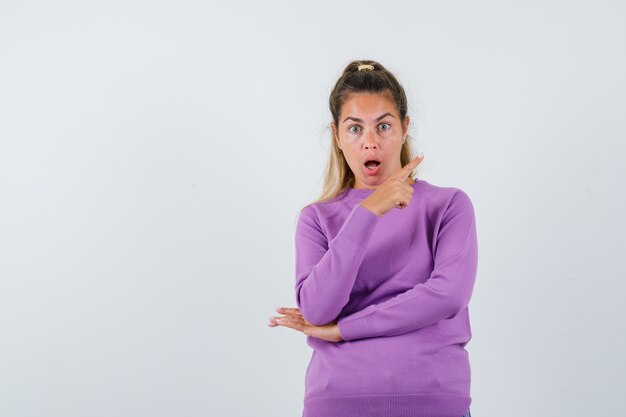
(154, 155)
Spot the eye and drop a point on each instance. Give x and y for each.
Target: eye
(386, 124)
(352, 131)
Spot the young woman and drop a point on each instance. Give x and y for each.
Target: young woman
(385, 268)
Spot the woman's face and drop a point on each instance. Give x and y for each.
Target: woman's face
(370, 129)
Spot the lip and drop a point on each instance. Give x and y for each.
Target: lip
(372, 158)
(371, 172)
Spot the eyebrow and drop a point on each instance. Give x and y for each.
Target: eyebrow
(356, 119)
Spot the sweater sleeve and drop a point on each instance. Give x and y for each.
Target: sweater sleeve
(326, 271)
(446, 292)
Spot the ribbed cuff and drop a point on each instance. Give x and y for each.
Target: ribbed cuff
(359, 225)
(352, 328)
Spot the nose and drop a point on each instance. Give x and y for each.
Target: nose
(369, 139)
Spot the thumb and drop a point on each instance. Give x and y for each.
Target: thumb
(404, 172)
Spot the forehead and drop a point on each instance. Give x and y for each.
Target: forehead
(367, 105)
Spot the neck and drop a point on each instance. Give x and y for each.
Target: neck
(359, 185)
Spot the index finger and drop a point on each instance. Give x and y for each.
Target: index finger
(404, 172)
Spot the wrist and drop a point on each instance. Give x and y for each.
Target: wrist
(368, 207)
(338, 333)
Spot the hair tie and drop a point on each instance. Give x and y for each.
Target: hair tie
(365, 66)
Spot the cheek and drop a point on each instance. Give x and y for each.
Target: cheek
(352, 158)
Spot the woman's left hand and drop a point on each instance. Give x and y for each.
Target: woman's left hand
(293, 319)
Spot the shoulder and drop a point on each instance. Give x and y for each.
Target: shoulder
(319, 211)
(445, 198)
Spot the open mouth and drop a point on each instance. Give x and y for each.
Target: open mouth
(372, 164)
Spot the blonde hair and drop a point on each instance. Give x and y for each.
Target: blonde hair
(337, 175)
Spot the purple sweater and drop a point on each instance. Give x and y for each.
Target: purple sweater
(399, 286)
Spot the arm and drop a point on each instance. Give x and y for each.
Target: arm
(446, 292)
(326, 271)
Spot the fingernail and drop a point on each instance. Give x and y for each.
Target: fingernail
(421, 154)
(279, 309)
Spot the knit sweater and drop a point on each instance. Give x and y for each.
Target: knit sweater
(399, 286)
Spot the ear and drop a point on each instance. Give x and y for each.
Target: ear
(405, 127)
(335, 134)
